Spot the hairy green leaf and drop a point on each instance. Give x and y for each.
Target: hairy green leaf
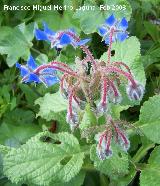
(89, 119)
(51, 104)
(150, 174)
(149, 119)
(44, 159)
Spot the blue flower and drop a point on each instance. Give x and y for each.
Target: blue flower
(58, 39)
(120, 28)
(46, 76)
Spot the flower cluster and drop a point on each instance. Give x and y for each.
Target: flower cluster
(104, 139)
(79, 86)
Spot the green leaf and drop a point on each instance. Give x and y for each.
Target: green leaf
(114, 167)
(19, 117)
(17, 133)
(129, 53)
(42, 59)
(76, 181)
(17, 43)
(91, 19)
(89, 119)
(126, 180)
(43, 162)
(51, 104)
(149, 119)
(151, 173)
(4, 149)
(64, 21)
(30, 93)
(152, 30)
(151, 57)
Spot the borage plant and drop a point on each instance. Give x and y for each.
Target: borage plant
(91, 94)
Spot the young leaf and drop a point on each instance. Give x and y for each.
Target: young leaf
(89, 119)
(44, 159)
(51, 104)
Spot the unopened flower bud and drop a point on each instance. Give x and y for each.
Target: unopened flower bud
(116, 99)
(72, 120)
(102, 108)
(100, 153)
(124, 141)
(108, 153)
(135, 92)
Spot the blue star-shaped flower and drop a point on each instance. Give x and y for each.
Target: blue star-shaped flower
(120, 28)
(58, 39)
(46, 76)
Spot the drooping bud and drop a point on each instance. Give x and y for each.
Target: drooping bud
(122, 138)
(100, 153)
(124, 142)
(115, 98)
(72, 120)
(108, 153)
(101, 108)
(103, 149)
(135, 92)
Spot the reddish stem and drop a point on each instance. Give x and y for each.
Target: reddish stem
(122, 64)
(62, 81)
(100, 140)
(84, 48)
(70, 103)
(122, 135)
(114, 88)
(110, 69)
(42, 67)
(109, 137)
(110, 45)
(60, 63)
(104, 95)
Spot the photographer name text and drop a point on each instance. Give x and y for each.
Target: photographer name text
(63, 8)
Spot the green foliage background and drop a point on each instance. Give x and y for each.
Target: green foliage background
(26, 111)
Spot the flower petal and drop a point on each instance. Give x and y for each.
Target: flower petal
(31, 63)
(110, 20)
(65, 39)
(33, 77)
(102, 31)
(47, 30)
(48, 71)
(24, 70)
(82, 42)
(41, 35)
(49, 80)
(123, 25)
(122, 36)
